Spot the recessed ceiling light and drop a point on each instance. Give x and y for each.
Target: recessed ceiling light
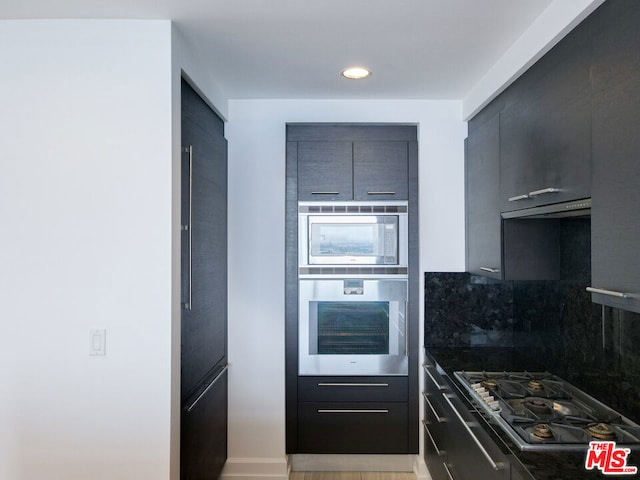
(356, 73)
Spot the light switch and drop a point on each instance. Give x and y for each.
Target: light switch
(97, 341)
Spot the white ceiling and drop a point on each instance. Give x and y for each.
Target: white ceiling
(296, 48)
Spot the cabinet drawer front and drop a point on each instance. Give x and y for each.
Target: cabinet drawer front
(434, 456)
(352, 427)
(353, 389)
(471, 453)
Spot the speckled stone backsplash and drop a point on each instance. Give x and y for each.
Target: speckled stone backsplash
(554, 322)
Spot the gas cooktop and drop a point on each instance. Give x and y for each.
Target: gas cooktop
(541, 411)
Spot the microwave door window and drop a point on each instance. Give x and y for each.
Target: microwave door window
(344, 240)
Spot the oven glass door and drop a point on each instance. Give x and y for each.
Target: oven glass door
(350, 328)
(353, 327)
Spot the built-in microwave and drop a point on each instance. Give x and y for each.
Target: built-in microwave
(353, 234)
(350, 326)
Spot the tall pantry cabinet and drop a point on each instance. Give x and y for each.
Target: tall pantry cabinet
(203, 445)
(343, 414)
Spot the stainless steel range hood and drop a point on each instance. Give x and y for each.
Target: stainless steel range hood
(576, 208)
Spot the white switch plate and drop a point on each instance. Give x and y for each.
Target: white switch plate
(97, 341)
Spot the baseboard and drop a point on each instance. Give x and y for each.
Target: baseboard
(420, 469)
(255, 469)
(352, 463)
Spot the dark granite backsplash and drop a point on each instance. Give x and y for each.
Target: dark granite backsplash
(551, 321)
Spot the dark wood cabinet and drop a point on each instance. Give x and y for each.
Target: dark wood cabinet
(380, 171)
(348, 414)
(545, 152)
(482, 179)
(352, 162)
(203, 433)
(615, 218)
(353, 414)
(353, 389)
(455, 444)
(204, 289)
(325, 171)
(511, 249)
(350, 428)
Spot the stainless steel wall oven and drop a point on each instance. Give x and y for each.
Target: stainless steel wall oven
(353, 326)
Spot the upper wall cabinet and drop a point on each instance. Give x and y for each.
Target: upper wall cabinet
(615, 217)
(380, 170)
(361, 164)
(502, 249)
(484, 253)
(545, 133)
(325, 171)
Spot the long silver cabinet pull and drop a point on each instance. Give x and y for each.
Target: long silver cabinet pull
(189, 227)
(490, 269)
(519, 197)
(611, 293)
(204, 392)
(439, 452)
(544, 191)
(337, 410)
(495, 465)
(438, 417)
(381, 193)
(344, 384)
(449, 474)
(426, 367)
(325, 193)
(406, 328)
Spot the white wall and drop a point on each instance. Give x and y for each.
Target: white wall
(85, 206)
(256, 134)
(557, 20)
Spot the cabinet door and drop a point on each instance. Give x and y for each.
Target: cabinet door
(545, 136)
(380, 171)
(204, 240)
(203, 432)
(483, 200)
(353, 389)
(352, 427)
(615, 218)
(325, 171)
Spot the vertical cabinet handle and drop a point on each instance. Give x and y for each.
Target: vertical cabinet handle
(406, 328)
(189, 228)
